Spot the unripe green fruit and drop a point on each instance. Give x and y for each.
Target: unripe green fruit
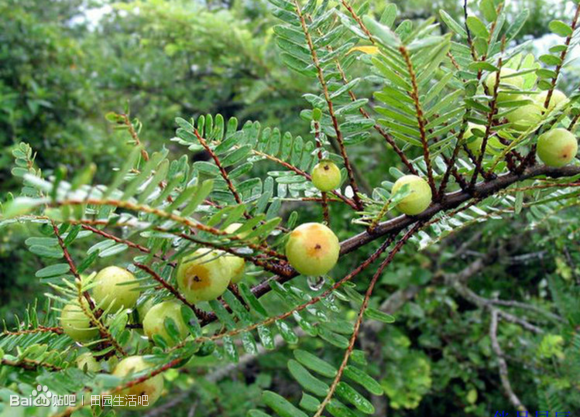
(525, 117)
(231, 229)
(517, 82)
(154, 322)
(204, 275)
(147, 392)
(557, 98)
(87, 362)
(143, 308)
(473, 141)
(312, 249)
(76, 324)
(326, 176)
(115, 288)
(420, 194)
(236, 265)
(557, 147)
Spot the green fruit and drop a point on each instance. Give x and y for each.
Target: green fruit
(204, 275)
(474, 141)
(231, 229)
(115, 288)
(144, 394)
(76, 324)
(557, 98)
(326, 176)
(312, 249)
(557, 147)
(516, 82)
(525, 117)
(420, 194)
(154, 322)
(236, 265)
(87, 362)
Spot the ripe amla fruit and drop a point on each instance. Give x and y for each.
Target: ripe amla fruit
(419, 197)
(474, 141)
(115, 288)
(517, 82)
(326, 176)
(557, 98)
(236, 263)
(87, 362)
(312, 249)
(76, 324)
(525, 116)
(204, 275)
(154, 322)
(557, 147)
(144, 394)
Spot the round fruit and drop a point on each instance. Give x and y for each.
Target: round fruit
(154, 322)
(115, 288)
(312, 249)
(420, 194)
(144, 307)
(525, 117)
(326, 176)
(474, 141)
(557, 98)
(516, 82)
(76, 324)
(87, 362)
(231, 229)
(144, 394)
(236, 265)
(204, 275)
(557, 147)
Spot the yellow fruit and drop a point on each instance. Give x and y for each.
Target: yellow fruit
(141, 395)
(326, 176)
(312, 249)
(525, 117)
(557, 147)
(115, 288)
(154, 322)
(504, 94)
(204, 275)
(420, 194)
(236, 265)
(87, 362)
(76, 324)
(557, 98)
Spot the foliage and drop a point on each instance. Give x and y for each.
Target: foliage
(455, 327)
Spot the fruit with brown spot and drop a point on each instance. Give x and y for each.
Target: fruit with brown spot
(557, 147)
(203, 275)
(312, 249)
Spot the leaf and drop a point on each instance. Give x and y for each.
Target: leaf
(453, 25)
(280, 405)
(315, 364)
(306, 380)
(488, 9)
(477, 27)
(560, 28)
(378, 315)
(53, 270)
(47, 251)
(381, 32)
(517, 24)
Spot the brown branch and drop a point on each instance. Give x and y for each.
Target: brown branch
(330, 104)
(39, 329)
(414, 94)
(134, 135)
(359, 320)
(30, 365)
(563, 55)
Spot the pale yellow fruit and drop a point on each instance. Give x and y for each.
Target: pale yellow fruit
(557, 98)
(87, 362)
(525, 117)
(312, 249)
(144, 394)
(557, 147)
(504, 94)
(115, 288)
(473, 142)
(76, 324)
(326, 175)
(419, 197)
(154, 322)
(204, 275)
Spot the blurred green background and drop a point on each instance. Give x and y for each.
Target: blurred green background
(64, 64)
